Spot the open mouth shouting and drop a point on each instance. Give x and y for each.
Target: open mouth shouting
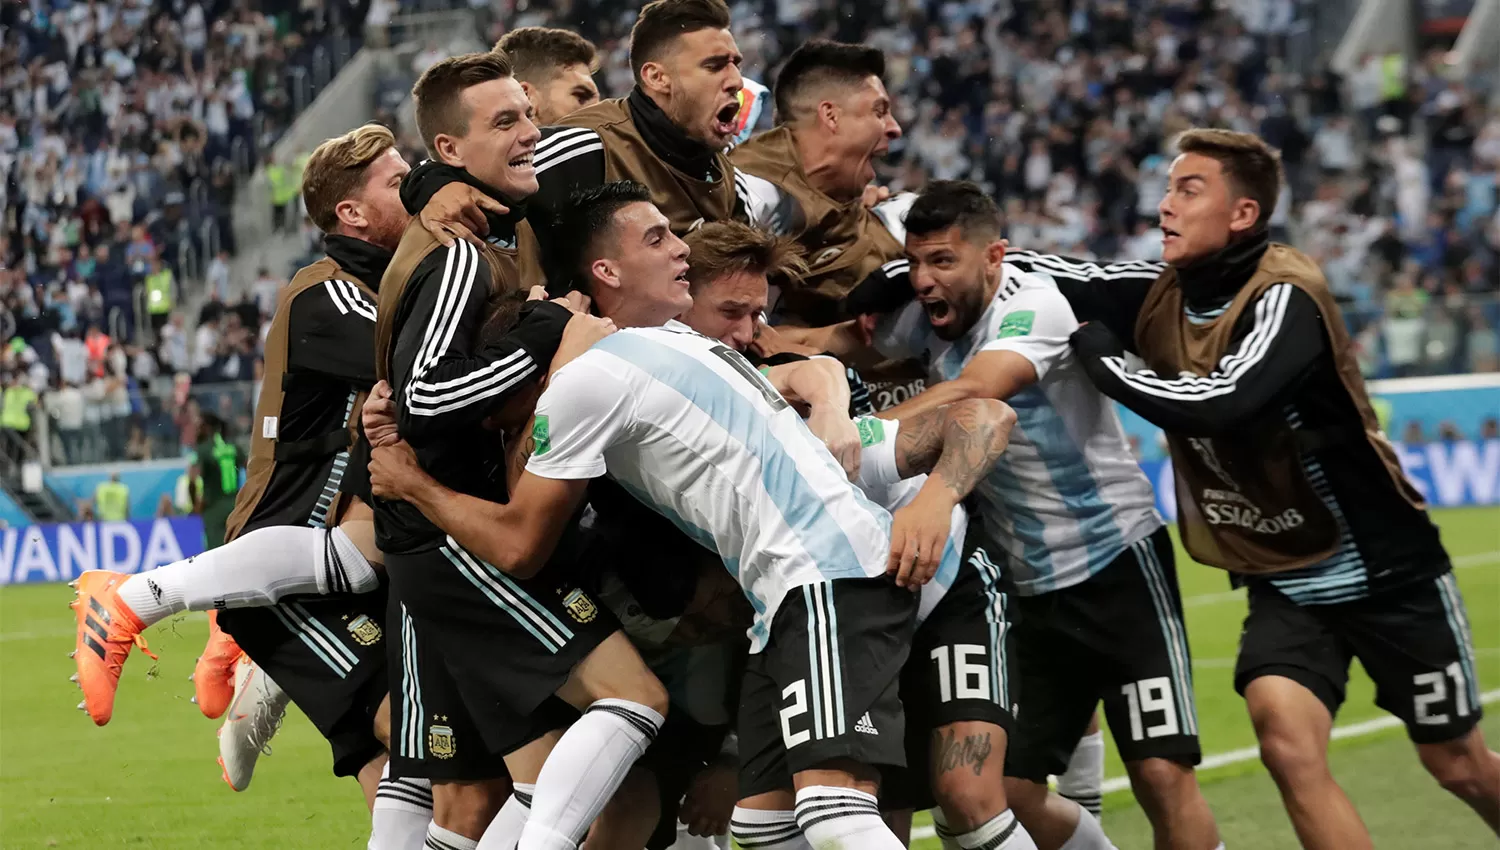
(522, 163)
(726, 119)
(939, 312)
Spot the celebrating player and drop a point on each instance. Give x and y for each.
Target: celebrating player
(290, 532)
(1288, 483)
(483, 654)
(696, 433)
(555, 68)
(1073, 516)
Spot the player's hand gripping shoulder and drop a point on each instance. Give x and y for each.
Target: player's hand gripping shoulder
(956, 445)
(582, 331)
(457, 211)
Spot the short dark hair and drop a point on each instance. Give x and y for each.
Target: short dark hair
(439, 93)
(538, 53)
(722, 248)
(588, 216)
(662, 21)
(820, 63)
(1252, 167)
(954, 203)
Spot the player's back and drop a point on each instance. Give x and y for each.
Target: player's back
(687, 426)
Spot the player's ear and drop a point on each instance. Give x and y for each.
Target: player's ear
(604, 273)
(530, 91)
(828, 115)
(655, 79)
(350, 214)
(994, 253)
(446, 148)
(1244, 214)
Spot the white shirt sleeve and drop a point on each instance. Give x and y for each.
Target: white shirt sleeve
(877, 460)
(1036, 324)
(580, 415)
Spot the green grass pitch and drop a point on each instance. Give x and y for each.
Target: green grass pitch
(149, 778)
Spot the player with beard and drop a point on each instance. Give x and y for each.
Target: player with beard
(1070, 517)
(808, 175)
(292, 533)
(555, 68)
(482, 654)
(817, 553)
(669, 133)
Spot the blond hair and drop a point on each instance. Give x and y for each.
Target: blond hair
(336, 171)
(724, 248)
(1251, 167)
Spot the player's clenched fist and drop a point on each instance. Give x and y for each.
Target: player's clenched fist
(379, 416)
(394, 472)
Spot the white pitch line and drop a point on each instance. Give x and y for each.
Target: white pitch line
(1116, 784)
(1462, 562)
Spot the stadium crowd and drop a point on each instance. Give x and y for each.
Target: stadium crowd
(127, 128)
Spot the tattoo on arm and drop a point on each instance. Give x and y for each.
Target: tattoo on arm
(520, 449)
(959, 442)
(953, 753)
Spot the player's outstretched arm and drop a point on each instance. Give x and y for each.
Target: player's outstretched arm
(821, 384)
(518, 537)
(957, 446)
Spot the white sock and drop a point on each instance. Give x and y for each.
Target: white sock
(585, 769)
(843, 818)
(757, 829)
(250, 571)
(505, 830)
(1001, 832)
(1083, 782)
(446, 839)
(403, 809)
(945, 835)
(1088, 836)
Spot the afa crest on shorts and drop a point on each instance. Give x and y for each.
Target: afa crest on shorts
(440, 742)
(365, 631)
(580, 606)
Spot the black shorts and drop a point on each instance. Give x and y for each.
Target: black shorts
(1117, 637)
(329, 655)
(956, 672)
(698, 681)
(1414, 642)
(825, 686)
(490, 648)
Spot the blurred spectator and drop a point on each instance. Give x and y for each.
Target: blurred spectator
(217, 276)
(112, 500)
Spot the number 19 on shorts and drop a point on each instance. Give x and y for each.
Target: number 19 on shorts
(1149, 696)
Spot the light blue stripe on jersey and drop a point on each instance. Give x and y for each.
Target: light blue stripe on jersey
(1342, 576)
(802, 509)
(1043, 427)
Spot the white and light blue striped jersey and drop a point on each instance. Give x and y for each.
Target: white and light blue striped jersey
(689, 427)
(1067, 497)
(881, 481)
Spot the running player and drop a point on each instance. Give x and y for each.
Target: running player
(462, 719)
(1287, 481)
(1068, 514)
(326, 653)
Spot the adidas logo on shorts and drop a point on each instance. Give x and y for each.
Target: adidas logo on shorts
(864, 725)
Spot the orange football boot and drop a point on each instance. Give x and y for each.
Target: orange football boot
(213, 677)
(107, 629)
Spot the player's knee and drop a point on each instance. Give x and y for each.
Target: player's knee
(651, 693)
(1024, 797)
(970, 800)
(1462, 772)
(1289, 756)
(1161, 783)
